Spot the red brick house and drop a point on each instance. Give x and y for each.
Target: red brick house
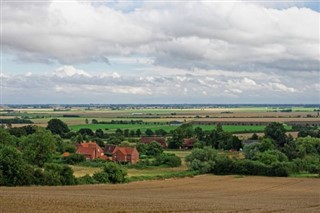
(125, 155)
(91, 150)
(148, 140)
(188, 143)
(122, 154)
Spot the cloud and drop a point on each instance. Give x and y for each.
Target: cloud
(194, 35)
(70, 71)
(204, 86)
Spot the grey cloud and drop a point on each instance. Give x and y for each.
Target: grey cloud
(205, 35)
(207, 86)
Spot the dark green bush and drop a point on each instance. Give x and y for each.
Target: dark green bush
(87, 179)
(61, 175)
(112, 173)
(73, 159)
(170, 160)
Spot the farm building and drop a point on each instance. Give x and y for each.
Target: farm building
(91, 150)
(121, 154)
(188, 143)
(148, 140)
(125, 155)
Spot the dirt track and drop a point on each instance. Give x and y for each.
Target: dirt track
(200, 194)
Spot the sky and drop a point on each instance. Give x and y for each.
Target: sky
(160, 52)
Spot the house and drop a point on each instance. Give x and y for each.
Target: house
(91, 151)
(188, 143)
(121, 154)
(148, 140)
(108, 149)
(125, 155)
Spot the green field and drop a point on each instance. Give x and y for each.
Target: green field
(113, 127)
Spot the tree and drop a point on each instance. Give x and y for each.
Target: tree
(86, 132)
(176, 141)
(15, 172)
(149, 132)
(170, 160)
(99, 133)
(131, 133)
(160, 132)
(154, 148)
(126, 133)
(202, 160)
(119, 132)
(276, 132)
(86, 121)
(57, 126)
(112, 173)
(5, 137)
(142, 148)
(138, 133)
(199, 133)
(94, 121)
(39, 147)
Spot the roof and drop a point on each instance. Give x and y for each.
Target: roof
(66, 154)
(109, 148)
(189, 141)
(160, 140)
(125, 150)
(90, 149)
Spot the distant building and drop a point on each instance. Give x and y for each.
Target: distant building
(125, 155)
(188, 143)
(91, 151)
(160, 140)
(121, 154)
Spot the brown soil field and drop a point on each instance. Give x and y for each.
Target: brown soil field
(205, 193)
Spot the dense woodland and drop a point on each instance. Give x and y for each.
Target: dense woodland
(32, 155)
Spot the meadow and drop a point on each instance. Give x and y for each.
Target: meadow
(143, 127)
(205, 193)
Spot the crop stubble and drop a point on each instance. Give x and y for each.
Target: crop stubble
(205, 193)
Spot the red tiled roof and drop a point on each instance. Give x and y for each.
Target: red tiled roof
(160, 140)
(91, 150)
(66, 154)
(126, 150)
(189, 142)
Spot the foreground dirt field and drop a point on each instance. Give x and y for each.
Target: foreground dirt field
(199, 194)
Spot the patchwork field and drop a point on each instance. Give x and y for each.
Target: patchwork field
(205, 193)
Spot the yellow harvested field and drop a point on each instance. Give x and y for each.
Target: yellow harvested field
(205, 193)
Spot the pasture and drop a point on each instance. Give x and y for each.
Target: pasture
(206, 193)
(143, 127)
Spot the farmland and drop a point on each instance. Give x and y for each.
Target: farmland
(234, 119)
(143, 127)
(205, 193)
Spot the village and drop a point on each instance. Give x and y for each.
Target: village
(121, 154)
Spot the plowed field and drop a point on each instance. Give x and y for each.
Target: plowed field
(199, 194)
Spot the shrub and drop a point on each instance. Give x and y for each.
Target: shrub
(170, 160)
(101, 177)
(202, 160)
(73, 159)
(112, 173)
(87, 179)
(280, 169)
(154, 148)
(55, 174)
